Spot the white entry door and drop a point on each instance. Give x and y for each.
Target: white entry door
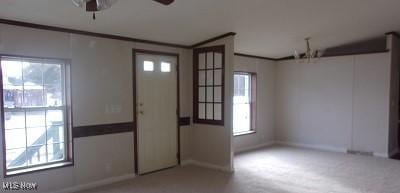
(156, 109)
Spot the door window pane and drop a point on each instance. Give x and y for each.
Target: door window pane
(210, 60)
(209, 85)
(202, 94)
(210, 81)
(217, 94)
(165, 67)
(202, 78)
(202, 110)
(148, 66)
(217, 60)
(217, 112)
(210, 94)
(202, 61)
(210, 111)
(217, 77)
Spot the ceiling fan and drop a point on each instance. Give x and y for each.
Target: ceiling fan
(99, 5)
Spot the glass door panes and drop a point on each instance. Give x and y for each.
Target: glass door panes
(209, 85)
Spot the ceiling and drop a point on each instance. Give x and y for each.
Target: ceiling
(270, 28)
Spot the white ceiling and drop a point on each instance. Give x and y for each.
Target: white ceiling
(271, 28)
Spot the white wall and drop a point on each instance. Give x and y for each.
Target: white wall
(212, 145)
(337, 103)
(101, 71)
(265, 120)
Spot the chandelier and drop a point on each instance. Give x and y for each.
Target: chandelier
(94, 5)
(309, 55)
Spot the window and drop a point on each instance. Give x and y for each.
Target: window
(208, 80)
(148, 66)
(244, 103)
(35, 113)
(165, 67)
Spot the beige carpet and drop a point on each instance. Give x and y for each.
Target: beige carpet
(275, 169)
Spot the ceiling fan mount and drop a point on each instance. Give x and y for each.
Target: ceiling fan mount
(98, 5)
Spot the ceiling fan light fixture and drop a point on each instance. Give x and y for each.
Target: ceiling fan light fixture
(105, 4)
(80, 3)
(99, 5)
(94, 5)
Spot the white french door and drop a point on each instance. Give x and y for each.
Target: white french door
(156, 109)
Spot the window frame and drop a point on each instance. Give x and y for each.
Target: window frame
(253, 103)
(67, 111)
(196, 52)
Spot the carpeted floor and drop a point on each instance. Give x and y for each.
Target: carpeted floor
(277, 170)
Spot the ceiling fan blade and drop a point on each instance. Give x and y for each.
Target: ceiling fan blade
(165, 2)
(91, 6)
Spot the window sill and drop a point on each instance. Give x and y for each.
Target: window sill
(38, 168)
(243, 133)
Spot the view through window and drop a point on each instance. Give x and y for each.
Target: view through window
(34, 112)
(243, 103)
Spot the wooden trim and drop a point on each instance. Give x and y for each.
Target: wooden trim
(134, 89)
(244, 133)
(135, 136)
(196, 52)
(3, 131)
(66, 164)
(94, 34)
(103, 129)
(253, 106)
(184, 121)
(337, 55)
(213, 39)
(254, 56)
(394, 33)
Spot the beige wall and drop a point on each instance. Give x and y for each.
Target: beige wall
(213, 144)
(336, 103)
(101, 71)
(265, 119)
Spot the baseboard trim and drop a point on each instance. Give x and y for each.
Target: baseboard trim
(381, 155)
(325, 148)
(258, 146)
(310, 146)
(206, 165)
(96, 184)
(394, 152)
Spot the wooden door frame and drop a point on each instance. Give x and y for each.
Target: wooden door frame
(134, 81)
